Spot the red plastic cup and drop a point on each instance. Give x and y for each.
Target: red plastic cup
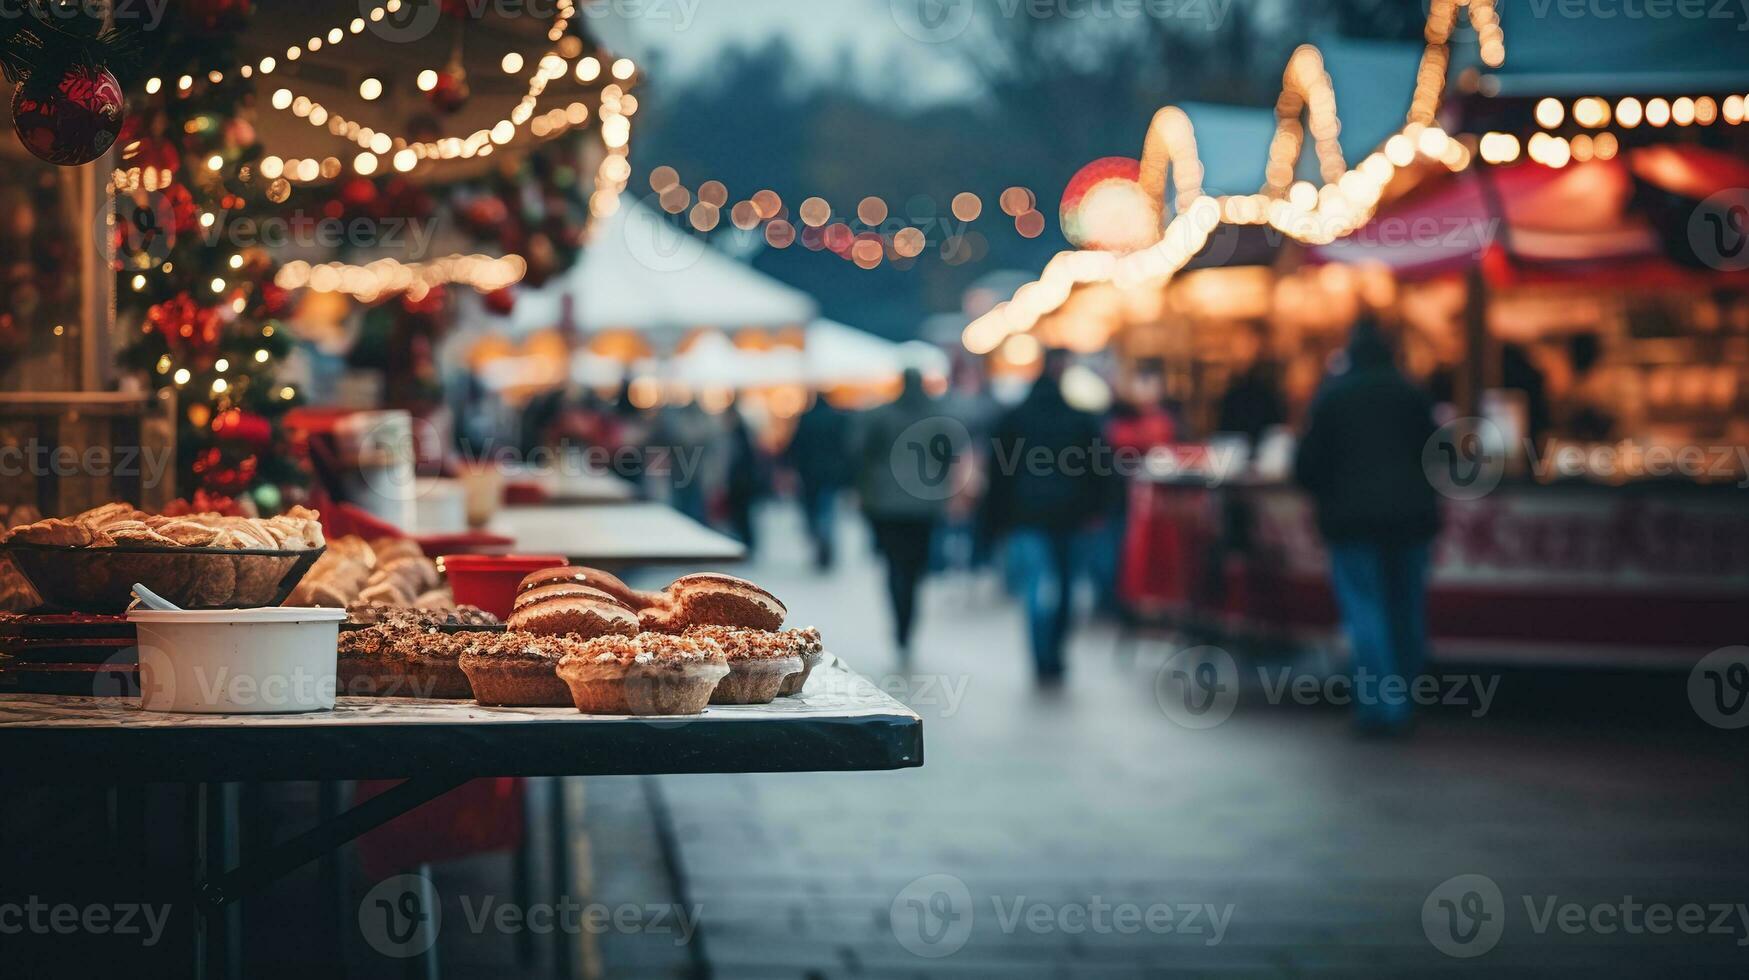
(490, 581)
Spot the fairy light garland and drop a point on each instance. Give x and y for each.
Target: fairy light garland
(389, 277)
(406, 153)
(380, 150)
(1307, 213)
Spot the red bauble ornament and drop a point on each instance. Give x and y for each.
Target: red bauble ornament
(500, 302)
(247, 428)
(69, 120)
(190, 330)
(274, 300)
(358, 194)
(486, 215)
(451, 91)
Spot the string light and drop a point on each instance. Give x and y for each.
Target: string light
(1307, 214)
(388, 277)
(550, 66)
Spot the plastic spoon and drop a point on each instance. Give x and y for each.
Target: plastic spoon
(152, 600)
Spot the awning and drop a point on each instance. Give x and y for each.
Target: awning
(1586, 222)
(641, 273)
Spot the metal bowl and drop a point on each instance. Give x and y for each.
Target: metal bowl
(101, 580)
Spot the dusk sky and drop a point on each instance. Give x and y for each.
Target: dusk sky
(689, 34)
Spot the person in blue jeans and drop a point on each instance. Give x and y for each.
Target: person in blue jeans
(1361, 460)
(1048, 481)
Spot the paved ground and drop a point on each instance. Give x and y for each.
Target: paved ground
(1089, 833)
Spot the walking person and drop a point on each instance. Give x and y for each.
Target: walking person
(745, 477)
(1361, 460)
(1046, 486)
(908, 450)
(816, 455)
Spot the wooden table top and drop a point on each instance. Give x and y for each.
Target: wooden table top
(840, 722)
(621, 535)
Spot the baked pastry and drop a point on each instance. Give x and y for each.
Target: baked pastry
(561, 609)
(759, 662)
(379, 614)
(647, 674)
(715, 599)
(595, 578)
(334, 581)
(811, 647)
(661, 616)
(299, 529)
(400, 662)
(393, 572)
(518, 670)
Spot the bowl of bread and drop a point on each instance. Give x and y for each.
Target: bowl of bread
(90, 561)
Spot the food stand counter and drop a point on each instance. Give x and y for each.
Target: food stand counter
(1652, 573)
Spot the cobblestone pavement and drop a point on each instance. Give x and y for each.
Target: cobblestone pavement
(1088, 833)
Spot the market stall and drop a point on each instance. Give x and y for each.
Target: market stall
(267, 587)
(1556, 253)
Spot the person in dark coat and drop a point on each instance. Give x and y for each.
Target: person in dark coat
(909, 452)
(1047, 483)
(1361, 460)
(817, 455)
(745, 483)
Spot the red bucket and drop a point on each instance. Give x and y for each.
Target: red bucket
(490, 581)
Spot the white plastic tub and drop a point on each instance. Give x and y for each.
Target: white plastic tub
(276, 660)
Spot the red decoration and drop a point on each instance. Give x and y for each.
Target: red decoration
(500, 302)
(451, 91)
(254, 431)
(358, 195)
(204, 503)
(1115, 182)
(189, 330)
(213, 16)
(69, 120)
(218, 478)
(486, 215)
(275, 301)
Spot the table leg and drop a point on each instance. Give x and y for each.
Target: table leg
(424, 966)
(559, 831)
(522, 877)
(195, 812)
(224, 926)
(662, 821)
(215, 891)
(330, 883)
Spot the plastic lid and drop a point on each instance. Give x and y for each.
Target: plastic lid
(265, 614)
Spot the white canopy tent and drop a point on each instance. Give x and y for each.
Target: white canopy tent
(835, 354)
(641, 273)
(842, 355)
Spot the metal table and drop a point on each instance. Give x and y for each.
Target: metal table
(841, 722)
(616, 535)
